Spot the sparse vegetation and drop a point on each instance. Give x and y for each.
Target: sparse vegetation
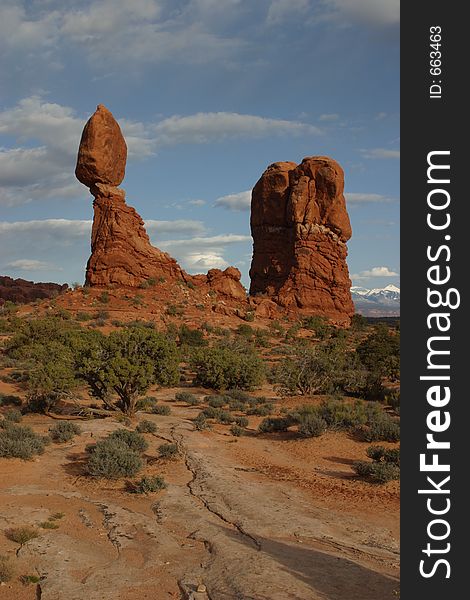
(146, 426)
(18, 441)
(13, 415)
(187, 397)
(161, 409)
(236, 430)
(64, 431)
(113, 459)
(148, 484)
(272, 424)
(385, 465)
(168, 451)
(7, 570)
(22, 535)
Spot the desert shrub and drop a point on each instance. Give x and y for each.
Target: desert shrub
(392, 398)
(13, 415)
(191, 337)
(210, 412)
(125, 364)
(358, 322)
(21, 535)
(104, 297)
(377, 472)
(311, 425)
(216, 401)
(241, 421)
(148, 484)
(381, 454)
(224, 416)
(168, 450)
(380, 352)
(29, 579)
(272, 424)
(64, 431)
(200, 422)
(84, 316)
(132, 439)
(339, 414)
(319, 325)
(112, 459)
(236, 405)
(48, 525)
(146, 403)
(146, 426)
(17, 441)
(6, 569)
(382, 428)
(239, 395)
(236, 430)
(187, 397)
(245, 330)
(323, 368)
(6, 399)
(223, 366)
(261, 410)
(161, 409)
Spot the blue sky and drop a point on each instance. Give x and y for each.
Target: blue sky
(208, 93)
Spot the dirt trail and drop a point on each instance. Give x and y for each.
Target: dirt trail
(246, 517)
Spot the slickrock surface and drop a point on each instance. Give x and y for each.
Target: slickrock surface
(300, 227)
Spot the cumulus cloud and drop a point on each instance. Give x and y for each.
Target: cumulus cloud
(362, 198)
(199, 254)
(197, 202)
(203, 128)
(42, 166)
(235, 202)
(375, 272)
(186, 226)
(28, 264)
(380, 153)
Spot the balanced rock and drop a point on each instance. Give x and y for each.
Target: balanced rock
(102, 153)
(300, 227)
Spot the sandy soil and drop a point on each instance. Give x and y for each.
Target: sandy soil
(255, 517)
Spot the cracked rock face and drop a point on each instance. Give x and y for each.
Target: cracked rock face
(300, 227)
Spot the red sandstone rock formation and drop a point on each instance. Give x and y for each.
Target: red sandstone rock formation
(121, 252)
(300, 226)
(22, 291)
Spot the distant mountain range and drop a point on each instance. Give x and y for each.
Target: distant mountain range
(378, 302)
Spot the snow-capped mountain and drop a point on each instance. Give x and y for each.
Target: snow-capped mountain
(378, 301)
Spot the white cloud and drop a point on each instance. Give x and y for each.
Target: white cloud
(203, 128)
(26, 264)
(199, 254)
(381, 153)
(375, 272)
(235, 202)
(361, 198)
(365, 12)
(197, 202)
(328, 117)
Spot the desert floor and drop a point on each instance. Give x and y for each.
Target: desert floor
(269, 516)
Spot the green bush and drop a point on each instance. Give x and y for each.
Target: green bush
(238, 395)
(380, 352)
(187, 397)
(216, 401)
(132, 439)
(392, 398)
(311, 425)
(261, 410)
(377, 472)
(274, 424)
(191, 337)
(17, 441)
(224, 416)
(6, 399)
(382, 428)
(146, 426)
(241, 421)
(236, 405)
(161, 409)
(222, 367)
(168, 450)
(381, 454)
(13, 415)
(148, 484)
(236, 430)
(22, 535)
(200, 422)
(112, 459)
(64, 431)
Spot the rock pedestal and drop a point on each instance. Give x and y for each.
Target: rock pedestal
(300, 227)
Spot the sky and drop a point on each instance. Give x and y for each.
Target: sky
(208, 93)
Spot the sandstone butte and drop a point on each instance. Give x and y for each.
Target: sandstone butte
(121, 252)
(299, 225)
